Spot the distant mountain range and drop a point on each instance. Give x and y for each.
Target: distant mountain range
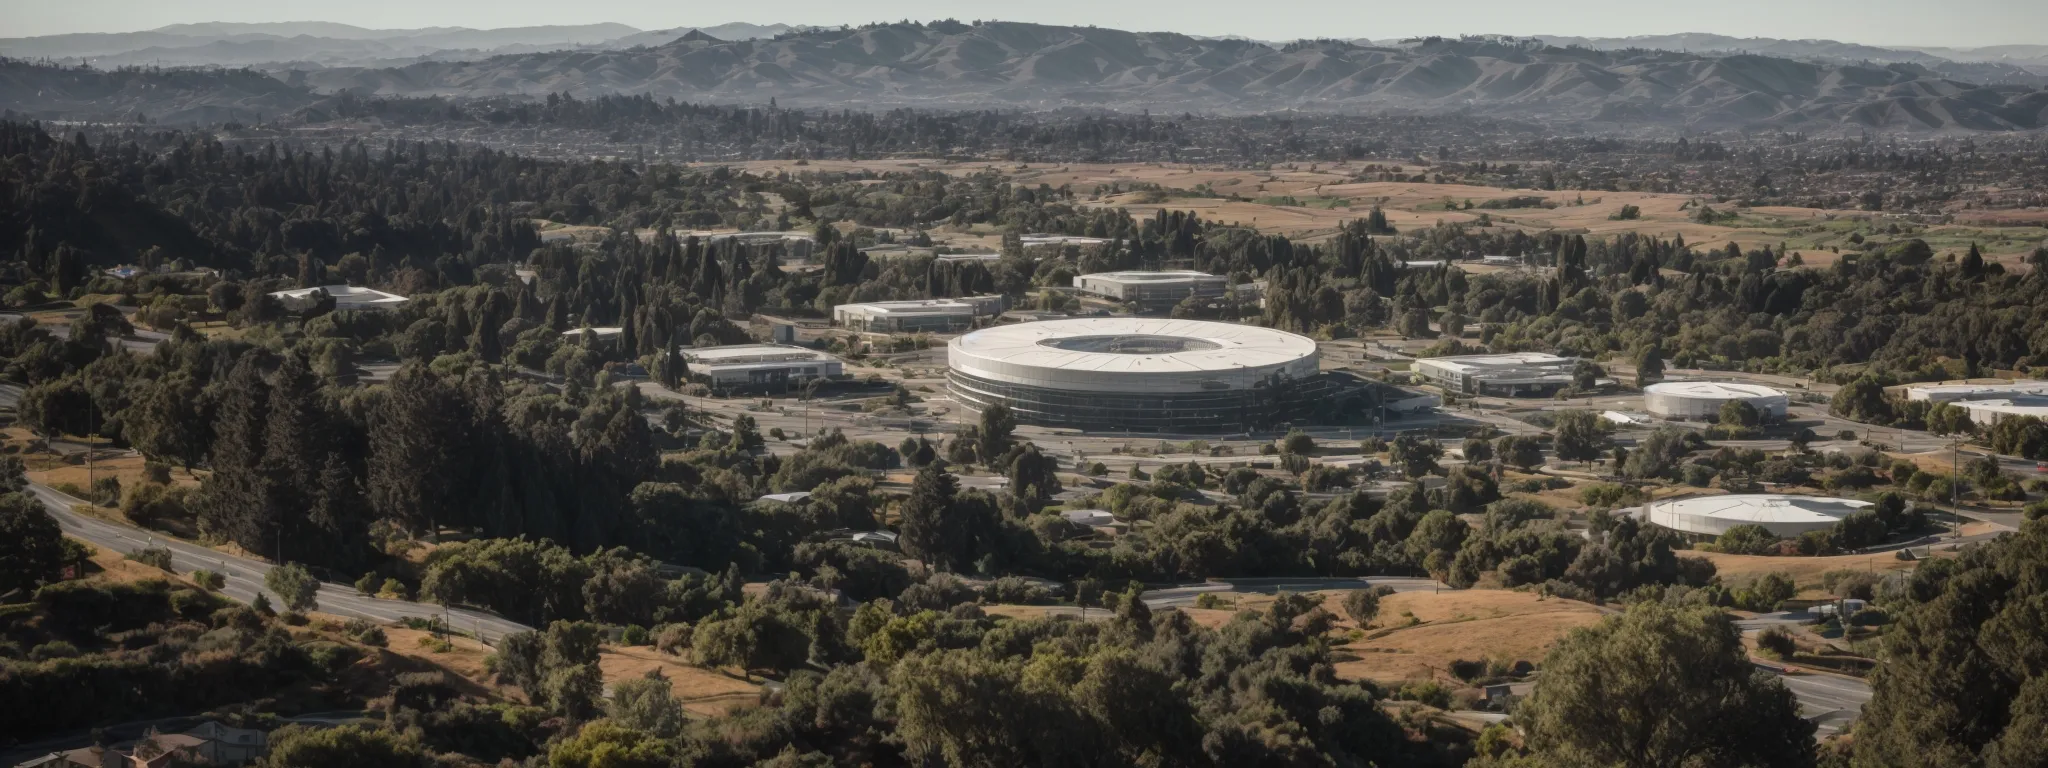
(318, 44)
(953, 64)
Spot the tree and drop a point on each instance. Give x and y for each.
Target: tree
(1961, 683)
(611, 744)
(1650, 367)
(1362, 605)
(1416, 456)
(1746, 540)
(1478, 451)
(302, 746)
(929, 529)
(1579, 436)
(295, 586)
(1524, 451)
(1033, 476)
(648, 705)
(1739, 413)
(1949, 419)
(1712, 708)
(994, 436)
(33, 552)
(1586, 375)
(1862, 400)
(172, 420)
(417, 461)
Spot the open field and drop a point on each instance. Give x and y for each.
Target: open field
(1805, 571)
(703, 692)
(1308, 201)
(1467, 625)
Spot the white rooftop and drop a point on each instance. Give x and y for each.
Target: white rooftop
(919, 307)
(1781, 514)
(602, 333)
(1473, 363)
(740, 354)
(786, 498)
(344, 296)
(1088, 517)
(1152, 277)
(1116, 344)
(1712, 389)
(1953, 392)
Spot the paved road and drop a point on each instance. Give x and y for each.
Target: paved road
(245, 575)
(1830, 701)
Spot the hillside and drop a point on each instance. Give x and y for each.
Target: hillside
(314, 45)
(1001, 63)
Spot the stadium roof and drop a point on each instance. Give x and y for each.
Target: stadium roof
(1136, 345)
(1713, 389)
(1781, 514)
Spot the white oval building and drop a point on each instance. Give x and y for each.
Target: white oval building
(1783, 515)
(1696, 400)
(1138, 374)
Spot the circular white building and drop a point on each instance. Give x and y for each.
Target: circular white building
(1138, 374)
(1785, 516)
(1696, 400)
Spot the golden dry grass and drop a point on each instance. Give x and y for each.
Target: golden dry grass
(1329, 197)
(50, 470)
(702, 691)
(1467, 625)
(1805, 571)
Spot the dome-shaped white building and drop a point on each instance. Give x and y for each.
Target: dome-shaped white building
(1137, 374)
(1783, 515)
(1702, 400)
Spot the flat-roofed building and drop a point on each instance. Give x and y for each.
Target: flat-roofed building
(1517, 374)
(1988, 403)
(760, 366)
(927, 315)
(345, 297)
(1153, 291)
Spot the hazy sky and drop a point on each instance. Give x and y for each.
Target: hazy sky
(1893, 22)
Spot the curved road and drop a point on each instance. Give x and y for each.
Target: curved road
(245, 575)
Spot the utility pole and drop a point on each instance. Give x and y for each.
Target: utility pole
(1955, 480)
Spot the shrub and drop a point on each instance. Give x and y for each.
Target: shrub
(367, 585)
(672, 639)
(634, 634)
(1778, 642)
(55, 649)
(209, 580)
(156, 557)
(1747, 540)
(1860, 585)
(1362, 605)
(362, 631)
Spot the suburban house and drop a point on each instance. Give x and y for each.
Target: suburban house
(210, 743)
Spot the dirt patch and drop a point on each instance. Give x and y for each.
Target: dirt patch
(1467, 625)
(702, 691)
(109, 565)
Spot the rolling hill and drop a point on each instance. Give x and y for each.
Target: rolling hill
(1015, 65)
(1029, 65)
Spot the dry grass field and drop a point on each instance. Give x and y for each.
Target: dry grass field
(704, 692)
(1326, 196)
(1466, 625)
(1805, 571)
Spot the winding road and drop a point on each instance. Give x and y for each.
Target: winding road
(245, 575)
